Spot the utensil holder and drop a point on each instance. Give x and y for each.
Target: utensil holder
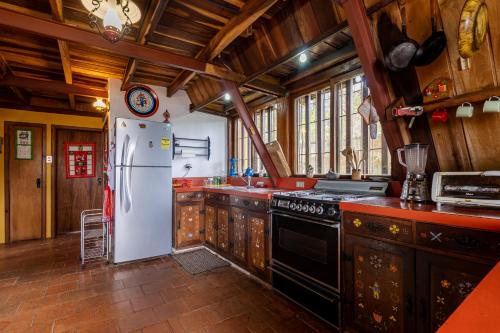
(356, 174)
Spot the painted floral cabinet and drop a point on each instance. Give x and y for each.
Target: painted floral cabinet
(443, 283)
(211, 225)
(239, 235)
(223, 229)
(189, 224)
(258, 242)
(378, 286)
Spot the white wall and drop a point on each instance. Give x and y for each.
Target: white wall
(195, 125)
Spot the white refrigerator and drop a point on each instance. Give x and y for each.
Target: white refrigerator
(143, 192)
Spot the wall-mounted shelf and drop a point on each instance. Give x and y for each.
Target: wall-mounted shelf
(473, 97)
(205, 150)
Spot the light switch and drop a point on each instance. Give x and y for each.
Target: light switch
(48, 158)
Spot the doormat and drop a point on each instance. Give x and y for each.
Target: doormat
(199, 261)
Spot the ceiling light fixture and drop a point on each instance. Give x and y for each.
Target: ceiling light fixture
(117, 17)
(303, 57)
(99, 104)
(227, 97)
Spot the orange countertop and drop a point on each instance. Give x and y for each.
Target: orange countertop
(476, 218)
(264, 193)
(479, 312)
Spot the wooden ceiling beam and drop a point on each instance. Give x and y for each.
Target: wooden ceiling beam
(54, 86)
(203, 12)
(249, 13)
(127, 48)
(6, 71)
(151, 19)
(45, 109)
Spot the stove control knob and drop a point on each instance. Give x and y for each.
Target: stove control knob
(331, 211)
(305, 208)
(293, 206)
(298, 208)
(319, 210)
(312, 209)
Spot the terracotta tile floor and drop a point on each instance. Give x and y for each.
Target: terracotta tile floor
(44, 289)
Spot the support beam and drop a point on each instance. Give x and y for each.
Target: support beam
(365, 45)
(246, 118)
(6, 71)
(151, 19)
(53, 86)
(35, 108)
(250, 12)
(57, 30)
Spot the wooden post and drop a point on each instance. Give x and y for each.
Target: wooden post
(363, 39)
(247, 120)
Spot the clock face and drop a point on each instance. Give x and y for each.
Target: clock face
(141, 101)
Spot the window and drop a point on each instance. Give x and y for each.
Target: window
(265, 121)
(314, 132)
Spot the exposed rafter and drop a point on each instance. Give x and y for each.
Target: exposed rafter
(57, 30)
(250, 12)
(151, 19)
(6, 71)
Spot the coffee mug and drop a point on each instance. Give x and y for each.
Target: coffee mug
(492, 105)
(440, 115)
(465, 110)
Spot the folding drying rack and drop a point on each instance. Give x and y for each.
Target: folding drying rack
(94, 236)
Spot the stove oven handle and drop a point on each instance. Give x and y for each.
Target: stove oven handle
(331, 225)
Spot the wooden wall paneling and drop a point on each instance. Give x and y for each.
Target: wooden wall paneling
(325, 13)
(481, 135)
(481, 74)
(306, 19)
(282, 126)
(494, 14)
(284, 32)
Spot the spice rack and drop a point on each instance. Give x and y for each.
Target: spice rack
(189, 143)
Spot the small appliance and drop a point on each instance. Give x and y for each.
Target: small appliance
(415, 187)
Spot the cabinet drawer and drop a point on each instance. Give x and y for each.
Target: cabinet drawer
(378, 226)
(189, 196)
(471, 242)
(249, 203)
(217, 198)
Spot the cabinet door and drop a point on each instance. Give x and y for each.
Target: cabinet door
(223, 229)
(239, 234)
(443, 283)
(211, 225)
(189, 225)
(378, 286)
(258, 247)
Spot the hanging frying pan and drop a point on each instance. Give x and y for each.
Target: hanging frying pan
(433, 46)
(473, 27)
(401, 55)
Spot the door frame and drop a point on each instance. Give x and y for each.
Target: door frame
(54, 129)
(7, 126)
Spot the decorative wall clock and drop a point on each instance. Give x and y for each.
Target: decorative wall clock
(141, 101)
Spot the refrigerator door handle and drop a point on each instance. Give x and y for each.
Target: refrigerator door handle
(127, 185)
(126, 142)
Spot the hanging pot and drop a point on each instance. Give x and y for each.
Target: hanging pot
(473, 27)
(433, 46)
(403, 53)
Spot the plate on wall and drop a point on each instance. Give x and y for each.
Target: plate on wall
(141, 100)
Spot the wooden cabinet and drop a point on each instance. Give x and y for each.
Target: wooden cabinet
(223, 229)
(211, 225)
(258, 243)
(188, 219)
(443, 283)
(378, 288)
(239, 235)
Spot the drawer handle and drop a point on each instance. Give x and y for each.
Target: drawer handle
(394, 229)
(357, 223)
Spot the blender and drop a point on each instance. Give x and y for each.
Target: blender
(415, 187)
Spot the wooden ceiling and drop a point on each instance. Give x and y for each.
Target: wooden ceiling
(258, 38)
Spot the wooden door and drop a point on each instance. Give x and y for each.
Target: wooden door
(211, 225)
(223, 229)
(24, 188)
(189, 225)
(239, 235)
(443, 283)
(378, 286)
(258, 251)
(76, 194)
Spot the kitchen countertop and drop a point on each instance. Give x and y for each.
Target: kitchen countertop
(256, 193)
(476, 218)
(479, 312)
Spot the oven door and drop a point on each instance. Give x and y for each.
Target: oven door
(307, 247)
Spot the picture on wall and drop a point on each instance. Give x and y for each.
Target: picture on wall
(141, 100)
(80, 159)
(24, 144)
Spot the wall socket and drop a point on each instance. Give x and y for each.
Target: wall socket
(300, 184)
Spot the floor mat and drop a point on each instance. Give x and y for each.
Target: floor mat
(199, 261)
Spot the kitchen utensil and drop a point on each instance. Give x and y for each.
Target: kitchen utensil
(473, 27)
(402, 53)
(440, 115)
(466, 110)
(463, 64)
(415, 187)
(408, 111)
(433, 46)
(348, 153)
(492, 105)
